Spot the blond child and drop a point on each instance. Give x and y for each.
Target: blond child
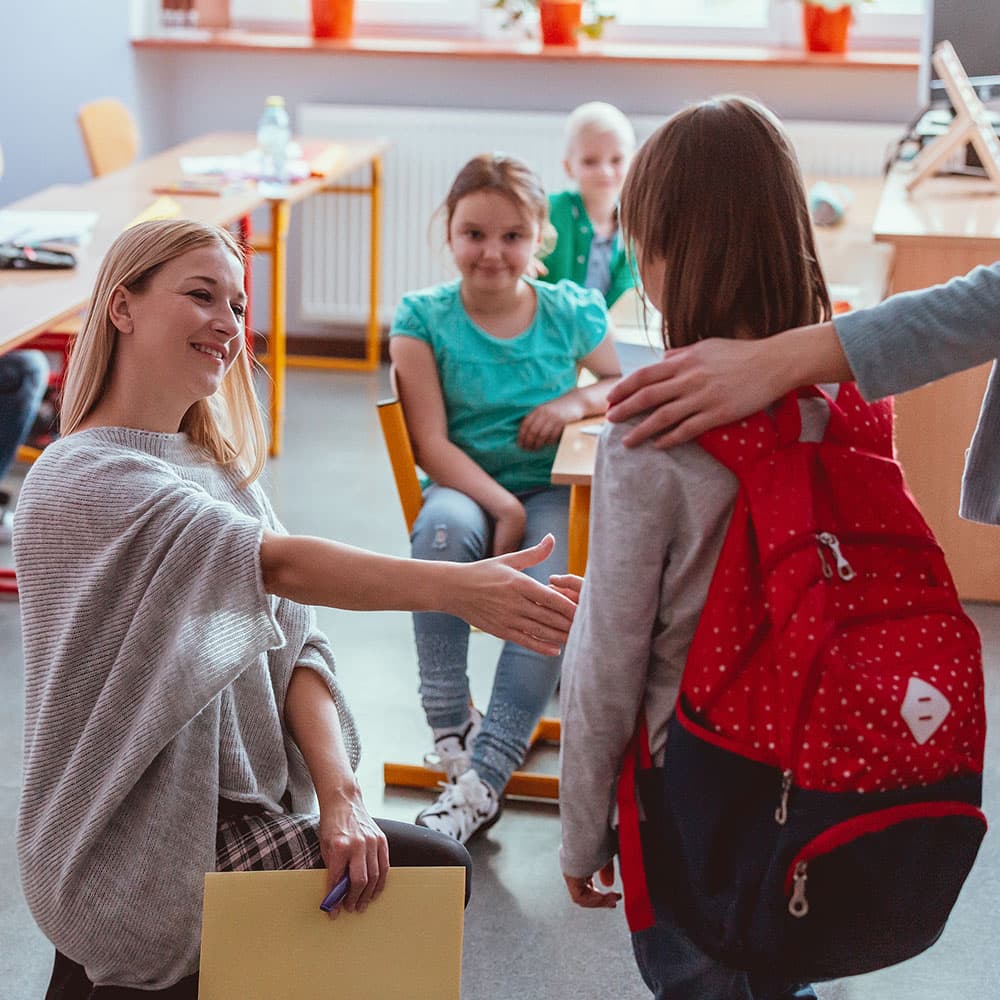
(589, 250)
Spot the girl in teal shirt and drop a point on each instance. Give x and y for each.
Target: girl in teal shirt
(487, 368)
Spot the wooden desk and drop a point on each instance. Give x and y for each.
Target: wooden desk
(574, 467)
(947, 226)
(33, 301)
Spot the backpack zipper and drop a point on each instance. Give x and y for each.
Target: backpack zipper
(844, 569)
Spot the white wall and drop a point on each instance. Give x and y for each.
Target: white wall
(56, 54)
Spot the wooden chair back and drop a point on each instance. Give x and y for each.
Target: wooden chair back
(110, 135)
(404, 465)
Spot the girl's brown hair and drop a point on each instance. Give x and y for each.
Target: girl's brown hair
(507, 176)
(715, 198)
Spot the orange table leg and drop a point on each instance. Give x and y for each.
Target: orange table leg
(579, 528)
(276, 350)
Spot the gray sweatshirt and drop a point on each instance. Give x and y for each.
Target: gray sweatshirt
(917, 337)
(156, 668)
(657, 523)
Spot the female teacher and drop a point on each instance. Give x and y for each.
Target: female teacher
(183, 713)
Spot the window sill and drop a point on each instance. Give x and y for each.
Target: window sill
(623, 52)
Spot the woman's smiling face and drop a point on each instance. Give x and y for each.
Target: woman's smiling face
(181, 331)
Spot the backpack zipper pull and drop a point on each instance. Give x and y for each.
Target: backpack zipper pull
(844, 569)
(798, 905)
(781, 813)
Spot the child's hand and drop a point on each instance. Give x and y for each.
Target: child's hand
(567, 584)
(545, 423)
(535, 269)
(583, 892)
(508, 531)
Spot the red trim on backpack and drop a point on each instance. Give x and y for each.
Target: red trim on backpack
(695, 728)
(860, 826)
(638, 905)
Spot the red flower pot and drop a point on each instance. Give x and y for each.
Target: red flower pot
(560, 21)
(332, 18)
(826, 30)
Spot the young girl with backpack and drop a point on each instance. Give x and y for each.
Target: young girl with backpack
(823, 650)
(487, 370)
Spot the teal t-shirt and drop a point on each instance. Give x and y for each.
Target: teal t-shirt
(490, 384)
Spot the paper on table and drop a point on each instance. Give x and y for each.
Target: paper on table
(248, 164)
(33, 228)
(264, 936)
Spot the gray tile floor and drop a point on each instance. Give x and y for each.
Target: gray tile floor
(523, 937)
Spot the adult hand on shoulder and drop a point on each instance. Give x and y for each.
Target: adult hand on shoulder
(350, 840)
(584, 893)
(693, 389)
(544, 425)
(494, 595)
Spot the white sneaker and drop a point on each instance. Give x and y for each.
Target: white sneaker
(463, 809)
(452, 753)
(6, 527)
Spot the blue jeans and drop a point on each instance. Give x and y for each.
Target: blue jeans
(453, 527)
(23, 378)
(675, 968)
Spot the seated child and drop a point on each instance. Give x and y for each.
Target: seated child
(487, 369)
(716, 212)
(589, 250)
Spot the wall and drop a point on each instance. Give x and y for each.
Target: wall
(55, 55)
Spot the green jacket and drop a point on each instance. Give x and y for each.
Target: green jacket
(569, 257)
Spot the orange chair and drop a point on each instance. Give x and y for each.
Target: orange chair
(404, 470)
(110, 135)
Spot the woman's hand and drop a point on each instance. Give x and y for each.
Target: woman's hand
(494, 595)
(350, 840)
(584, 893)
(695, 388)
(568, 584)
(544, 425)
(508, 527)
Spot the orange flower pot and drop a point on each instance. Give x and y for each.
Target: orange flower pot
(560, 21)
(332, 18)
(826, 30)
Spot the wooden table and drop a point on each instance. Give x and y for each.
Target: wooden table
(946, 227)
(574, 467)
(30, 302)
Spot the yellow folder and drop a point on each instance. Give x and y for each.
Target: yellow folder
(264, 937)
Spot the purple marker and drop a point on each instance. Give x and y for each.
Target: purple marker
(336, 894)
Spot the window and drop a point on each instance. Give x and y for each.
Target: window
(453, 13)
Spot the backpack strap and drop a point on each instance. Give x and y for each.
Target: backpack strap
(638, 906)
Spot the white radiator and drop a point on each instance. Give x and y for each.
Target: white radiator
(429, 145)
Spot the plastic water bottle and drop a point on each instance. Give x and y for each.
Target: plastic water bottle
(274, 133)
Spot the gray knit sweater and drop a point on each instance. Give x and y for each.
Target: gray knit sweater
(917, 337)
(156, 668)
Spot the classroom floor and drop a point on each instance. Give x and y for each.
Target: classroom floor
(523, 936)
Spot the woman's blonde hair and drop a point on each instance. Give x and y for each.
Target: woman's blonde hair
(228, 424)
(715, 198)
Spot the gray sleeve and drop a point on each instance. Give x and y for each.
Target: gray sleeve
(917, 337)
(607, 657)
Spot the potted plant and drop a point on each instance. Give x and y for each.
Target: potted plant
(825, 23)
(332, 18)
(562, 22)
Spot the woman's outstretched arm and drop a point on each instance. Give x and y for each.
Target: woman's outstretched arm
(492, 594)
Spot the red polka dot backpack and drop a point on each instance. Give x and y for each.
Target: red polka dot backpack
(819, 805)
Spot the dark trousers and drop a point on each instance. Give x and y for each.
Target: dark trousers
(409, 847)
